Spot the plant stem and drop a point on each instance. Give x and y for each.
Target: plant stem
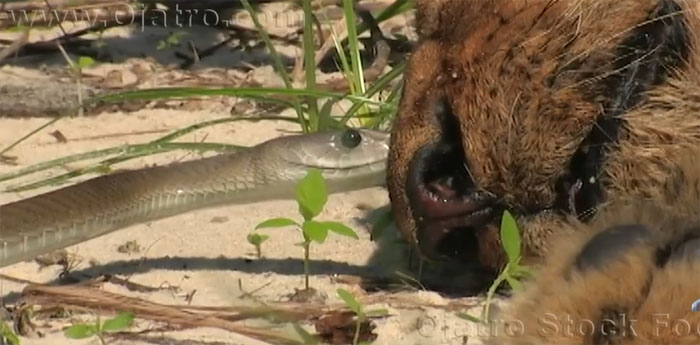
(501, 277)
(49, 123)
(309, 63)
(257, 249)
(355, 60)
(306, 264)
(356, 338)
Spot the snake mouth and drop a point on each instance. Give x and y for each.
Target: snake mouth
(448, 210)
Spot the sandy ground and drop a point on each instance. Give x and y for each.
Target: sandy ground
(207, 250)
(204, 255)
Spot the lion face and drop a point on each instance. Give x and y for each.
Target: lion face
(517, 105)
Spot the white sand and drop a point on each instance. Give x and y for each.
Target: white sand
(215, 251)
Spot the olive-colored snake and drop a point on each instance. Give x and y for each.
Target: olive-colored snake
(349, 160)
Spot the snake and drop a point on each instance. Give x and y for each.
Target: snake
(348, 159)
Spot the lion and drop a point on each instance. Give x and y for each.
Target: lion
(581, 118)
(629, 276)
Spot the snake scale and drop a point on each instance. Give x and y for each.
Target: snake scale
(349, 159)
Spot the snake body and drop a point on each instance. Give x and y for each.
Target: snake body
(348, 159)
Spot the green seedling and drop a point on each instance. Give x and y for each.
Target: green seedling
(171, 41)
(513, 272)
(84, 62)
(257, 240)
(7, 335)
(306, 337)
(100, 329)
(311, 196)
(360, 313)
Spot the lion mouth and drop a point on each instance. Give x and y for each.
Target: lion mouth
(449, 211)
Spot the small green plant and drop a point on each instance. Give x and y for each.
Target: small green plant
(358, 309)
(7, 335)
(172, 40)
(311, 196)
(257, 240)
(84, 62)
(513, 271)
(99, 329)
(306, 337)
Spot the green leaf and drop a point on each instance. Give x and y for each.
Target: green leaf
(305, 336)
(468, 317)
(256, 93)
(174, 38)
(311, 194)
(276, 223)
(119, 322)
(85, 61)
(350, 301)
(315, 231)
(510, 237)
(340, 229)
(514, 283)
(377, 312)
(80, 331)
(257, 239)
(521, 272)
(9, 335)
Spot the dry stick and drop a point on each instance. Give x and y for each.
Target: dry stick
(330, 44)
(15, 46)
(198, 55)
(381, 47)
(85, 297)
(58, 22)
(76, 294)
(88, 296)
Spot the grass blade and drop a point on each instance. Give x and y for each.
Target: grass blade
(309, 63)
(180, 92)
(279, 66)
(358, 79)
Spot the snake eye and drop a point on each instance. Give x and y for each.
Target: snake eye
(351, 138)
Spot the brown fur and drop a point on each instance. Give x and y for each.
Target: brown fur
(655, 300)
(520, 77)
(507, 68)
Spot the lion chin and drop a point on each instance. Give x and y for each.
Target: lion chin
(582, 119)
